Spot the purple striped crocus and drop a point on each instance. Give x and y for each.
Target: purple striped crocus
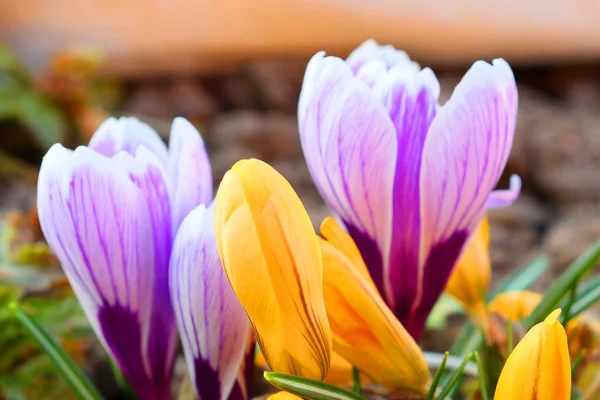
(109, 211)
(409, 178)
(212, 324)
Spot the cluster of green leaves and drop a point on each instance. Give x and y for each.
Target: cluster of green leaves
(25, 371)
(22, 102)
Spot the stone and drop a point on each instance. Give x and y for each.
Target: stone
(271, 135)
(575, 232)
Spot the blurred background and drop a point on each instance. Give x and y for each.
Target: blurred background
(234, 68)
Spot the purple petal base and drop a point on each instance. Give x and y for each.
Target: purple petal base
(237, 393)
(371, 255)
(122, 333)
(438, 267)
(208, 383)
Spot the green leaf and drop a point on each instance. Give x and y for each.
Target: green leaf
(523, 277)
(356, 380)
(436, 378)
(482, 374)
(308, 388)
(455, 378)
(80, 384)
(587, 295)
(563, 284)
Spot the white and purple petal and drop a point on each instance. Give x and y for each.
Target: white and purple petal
(370, 51)
(97, 222)
(350, 146)
(145, 170)
(127, 134)
(505, 197)
(411, 100)
(212, 324)
(464, 155)
(189, 170)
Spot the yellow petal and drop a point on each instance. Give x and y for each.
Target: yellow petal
(283, 396)
(515, 305)
(365, 332)
(539, 367)
(470, 280)
(272, 258)
(340, 370)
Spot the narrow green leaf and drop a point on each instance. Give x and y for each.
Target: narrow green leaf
(588, 294)
(523, 277)
(76, 379)
(567, 309)
(455, 378)
(308, 388)
(436, 377)
(509, 337)
(563, 284)
(356, 380)
(482, 374)
(578, 360)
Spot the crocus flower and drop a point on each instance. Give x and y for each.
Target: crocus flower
(409, 179)
(470, 279)
(212, 324)
(515, 305)
(365, 331)
(283, 396)
(539, 367)
(271, 256)
(109, 212)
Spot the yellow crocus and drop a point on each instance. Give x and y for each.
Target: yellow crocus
(340, 370)
(470, 280)
(365, 331)
(283, 396)
(539, 367)
(515, 305)
(273, 261)
(583, 331)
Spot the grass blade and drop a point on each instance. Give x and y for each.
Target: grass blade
(308, 388)
(455, 378)
(563, 284)
(436, 378)
(587, 295)
(76, 379)
(482, 375)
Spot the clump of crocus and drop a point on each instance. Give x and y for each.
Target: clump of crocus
(539, 367)
(409, 178)
(110, 211)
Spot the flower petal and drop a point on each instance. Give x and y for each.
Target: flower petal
(146, 171)
(365, 331)
(411, 99)
(350, 147)
(370, 50)
(212, 324)
(98, 224)
(271, 256)
(539, 366)
(126, 134)
(470, 279)
(515, 305)
(464, 155)
(505, 198)
(189, 170)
